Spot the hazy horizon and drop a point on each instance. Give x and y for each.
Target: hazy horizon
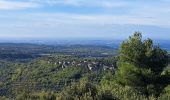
(107, 19)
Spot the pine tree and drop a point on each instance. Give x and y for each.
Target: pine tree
(141, 64)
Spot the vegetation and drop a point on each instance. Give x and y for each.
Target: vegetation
(141, 66)
(140, 71)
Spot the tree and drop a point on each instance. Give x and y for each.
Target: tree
(83, 90)
(141, 65)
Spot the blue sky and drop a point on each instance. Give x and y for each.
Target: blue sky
(114, 19)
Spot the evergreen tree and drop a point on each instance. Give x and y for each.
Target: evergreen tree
(141, 65)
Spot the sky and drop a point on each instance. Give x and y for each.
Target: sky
(99, 19)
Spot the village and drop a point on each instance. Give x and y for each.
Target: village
(91, 65)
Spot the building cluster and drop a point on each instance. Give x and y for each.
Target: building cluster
(90, 65)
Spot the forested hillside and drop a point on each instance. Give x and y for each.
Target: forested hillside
(139, 70)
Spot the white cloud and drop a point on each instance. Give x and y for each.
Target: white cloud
(72, 25)
(13, 5)
(70, 22)
(83, 3)
(57, 19)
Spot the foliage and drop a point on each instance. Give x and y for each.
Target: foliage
(41, 72)
(83, 90)
(36, 96)
(141, 64)
(166, 94)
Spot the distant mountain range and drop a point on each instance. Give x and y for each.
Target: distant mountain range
(165, 44)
